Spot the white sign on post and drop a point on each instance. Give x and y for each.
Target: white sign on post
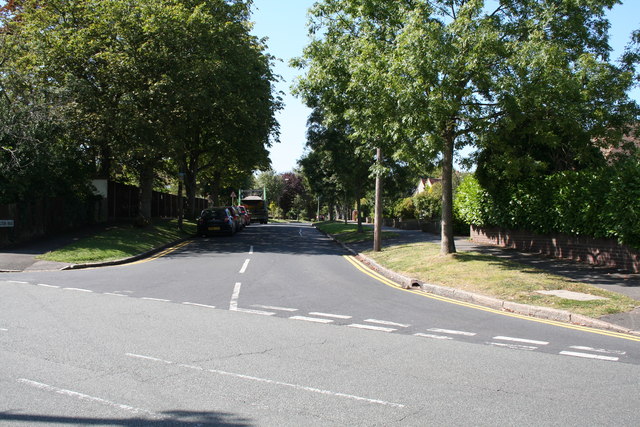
(6, 223)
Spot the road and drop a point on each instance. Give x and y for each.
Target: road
(278, 326)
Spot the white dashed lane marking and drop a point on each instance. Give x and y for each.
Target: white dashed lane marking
(513, 346)
(387, 323)
(156, 299)
(520, 340)
(589, 356)
(433, 336)
(271, 382)
(244, 266)
(260, 312)
(598, 350)
(452, 332)
(311, 319)
(44, 285)
(77, 290)
(334, 316)
(86, 397)
(271, 307)
(198, 305)
(371, 327)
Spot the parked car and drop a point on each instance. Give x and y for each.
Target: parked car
(217, 220)
(245, 215)
(236, 217)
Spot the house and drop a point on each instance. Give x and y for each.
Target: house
(424, 184)
(629, 146)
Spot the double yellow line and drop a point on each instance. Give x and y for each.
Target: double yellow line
(163, 253)
(377, 276)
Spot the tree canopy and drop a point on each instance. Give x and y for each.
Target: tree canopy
(425, 78)
(150, 83)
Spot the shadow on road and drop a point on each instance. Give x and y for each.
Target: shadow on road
(170, 418)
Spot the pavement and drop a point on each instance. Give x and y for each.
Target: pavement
(24, 258)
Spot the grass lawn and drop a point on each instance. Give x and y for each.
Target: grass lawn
(492, 276)
(348, 233)
(121, 241)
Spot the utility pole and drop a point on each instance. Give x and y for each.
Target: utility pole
(377, 222)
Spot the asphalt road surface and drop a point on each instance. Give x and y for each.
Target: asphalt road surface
(278, 326)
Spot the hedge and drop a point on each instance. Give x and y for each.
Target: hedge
(600, 203)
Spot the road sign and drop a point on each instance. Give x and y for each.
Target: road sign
(6, 223)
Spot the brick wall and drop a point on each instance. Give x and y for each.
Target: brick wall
(603, 252)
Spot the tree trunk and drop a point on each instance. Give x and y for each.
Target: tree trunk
(359, 210)
(190, 189)
(146, 192)
(215, 188)
(448, 245)
(180, 205)
(104, 163)
(377, 226)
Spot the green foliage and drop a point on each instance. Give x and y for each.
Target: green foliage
(172, 84)
(405, 209)
(600, 203)
(429, 203)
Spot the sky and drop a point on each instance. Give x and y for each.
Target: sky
(283, 22)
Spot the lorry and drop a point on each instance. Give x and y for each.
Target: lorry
(255, 201)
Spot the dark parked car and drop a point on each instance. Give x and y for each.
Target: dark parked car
(245, 215)
(218, 220)
(236, 217)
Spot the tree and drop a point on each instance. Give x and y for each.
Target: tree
(143, 82)
(451, 70)
(293, 186)
(273, 184)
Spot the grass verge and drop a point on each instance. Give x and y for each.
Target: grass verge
(121, 241)
(496, 277)
(348, 233)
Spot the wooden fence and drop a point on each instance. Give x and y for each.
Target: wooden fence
(28, 220)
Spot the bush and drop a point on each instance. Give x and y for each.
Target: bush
(405, 209)
(603, 202)
(429, 203)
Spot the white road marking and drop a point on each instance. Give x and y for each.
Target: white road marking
(156, 299)
(335, 316)
(262, 313)
(300, 232)
(271, 307)
(115, 295)
(244, 266)
(86, 397)
(18, 282)
(589, 356)
(513, 346)
(77, 289)
(233, 305)
(522, 340)
(251, 250)
(385, 322)
(4, 330)
(598, 350)
(274, 382)
(371, 327)
(44, 285)
(452, 332)
(311, 319)
(436, 337)
(198, 305)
